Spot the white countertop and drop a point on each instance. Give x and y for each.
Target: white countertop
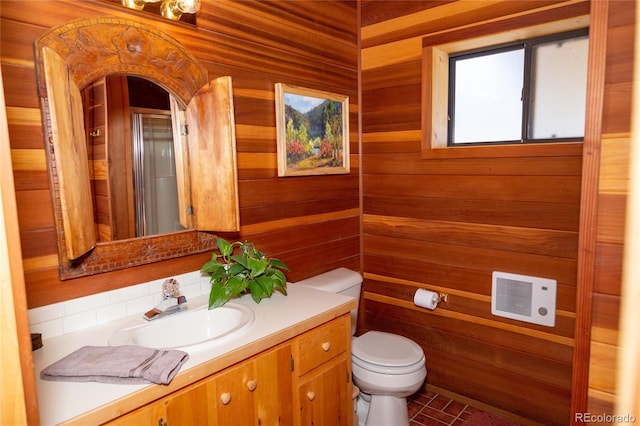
(62, 401)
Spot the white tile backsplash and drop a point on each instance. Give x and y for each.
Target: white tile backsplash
(72, 315)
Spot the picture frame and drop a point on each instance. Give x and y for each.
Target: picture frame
(312, 131)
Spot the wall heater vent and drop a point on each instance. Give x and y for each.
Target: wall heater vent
(524, 298)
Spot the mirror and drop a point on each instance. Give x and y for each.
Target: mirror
(69, 58)
(132, 166)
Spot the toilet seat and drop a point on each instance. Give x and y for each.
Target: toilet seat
(387, 353)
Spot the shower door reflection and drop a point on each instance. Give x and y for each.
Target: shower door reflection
(154, 174)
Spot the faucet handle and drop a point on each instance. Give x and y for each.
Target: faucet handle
(170, 288)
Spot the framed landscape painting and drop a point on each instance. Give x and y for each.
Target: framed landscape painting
(313, 131)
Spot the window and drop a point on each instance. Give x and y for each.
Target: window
(528, 91)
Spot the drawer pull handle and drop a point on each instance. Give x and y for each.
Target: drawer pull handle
(311, 395)
(225, 398)
(326, 346)
(252, 385)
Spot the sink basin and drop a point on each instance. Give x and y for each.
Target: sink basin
(187, 329)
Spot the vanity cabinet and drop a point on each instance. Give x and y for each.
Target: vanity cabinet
(305, 380)
(255, 392)
(324, 374)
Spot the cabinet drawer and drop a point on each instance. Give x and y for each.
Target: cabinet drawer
(322, 343)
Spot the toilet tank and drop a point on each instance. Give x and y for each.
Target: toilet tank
(341, 281)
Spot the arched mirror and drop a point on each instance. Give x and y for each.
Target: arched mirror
(86, 70)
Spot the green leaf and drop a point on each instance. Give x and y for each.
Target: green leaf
(241, 259)
(266, 283)
(280, 281)
(218, 296)
(235, 269)
(225, 247)
(211, 266)
(257, 292)
(277, 263)
(236, 285)
(257, 266)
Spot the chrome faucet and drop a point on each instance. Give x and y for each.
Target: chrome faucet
(172, 301)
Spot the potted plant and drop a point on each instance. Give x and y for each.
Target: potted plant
(249, 270)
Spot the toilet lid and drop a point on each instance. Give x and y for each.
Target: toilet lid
(386, 349)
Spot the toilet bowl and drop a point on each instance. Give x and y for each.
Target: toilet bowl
(389, 368)
(386, 367)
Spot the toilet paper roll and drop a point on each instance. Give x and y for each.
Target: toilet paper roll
(426, 299)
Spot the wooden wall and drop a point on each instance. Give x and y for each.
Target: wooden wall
(610, 203)
(446, 224)
(311, 223)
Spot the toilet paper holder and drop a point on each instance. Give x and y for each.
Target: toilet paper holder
(429, 299)
(442, 297)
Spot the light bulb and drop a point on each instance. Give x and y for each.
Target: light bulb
(173, 9)
(134, 4)
(189, 6)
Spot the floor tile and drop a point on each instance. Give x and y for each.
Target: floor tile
(430, 409)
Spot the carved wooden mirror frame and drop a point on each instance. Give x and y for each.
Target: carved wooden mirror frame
(90, 49)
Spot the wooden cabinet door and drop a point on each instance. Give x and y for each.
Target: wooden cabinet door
(257, 392)
(149, 415)
(273, 394)
(324, 395)
(188, 407)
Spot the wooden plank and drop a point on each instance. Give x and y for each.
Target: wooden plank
(28, 160)
(28, 180)
(617, 101)
(258, 215)
(373, 11)
(23, 93)
(547, 189)
(408, 163)
(608, 268)
(287, 190)
(611, 211)
(562, 270)
(391, 53)
(37, 211)
(614, 164)
(509, 213)
(517, 239)
(327, 37)
(606, 316)
(24, 116)
(602, 368)
(452, 15)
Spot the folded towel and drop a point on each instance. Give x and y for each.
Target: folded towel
(117, 364)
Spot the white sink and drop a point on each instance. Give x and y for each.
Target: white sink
(194, 327)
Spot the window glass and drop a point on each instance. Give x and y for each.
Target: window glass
(559, 84)
(488, 97)
(528, 91)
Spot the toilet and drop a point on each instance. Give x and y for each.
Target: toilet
(386, 367)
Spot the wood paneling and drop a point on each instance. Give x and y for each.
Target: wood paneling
(609, 205)
(310, 223)
(446, 223)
